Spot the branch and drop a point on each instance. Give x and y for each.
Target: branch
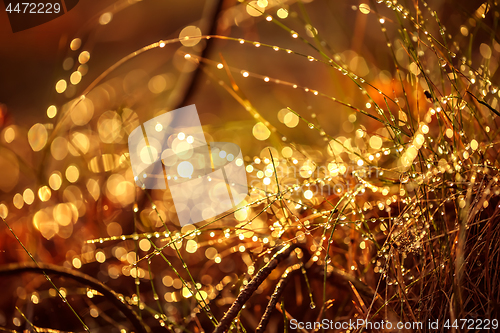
(111, 295)
(278, 291)
(251, 287)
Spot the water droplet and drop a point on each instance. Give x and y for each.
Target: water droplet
(311, 126)
(313, 306)
(404, 178)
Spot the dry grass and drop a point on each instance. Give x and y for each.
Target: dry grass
(380, 202)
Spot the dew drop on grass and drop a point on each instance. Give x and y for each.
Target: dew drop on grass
(313, 306)
(404, 178)
(311, 126)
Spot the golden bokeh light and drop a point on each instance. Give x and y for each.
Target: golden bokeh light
(28, 196)
(82, 112)
(260, 131)
(282, 13)
(75, 44)
(61, 86)
(109, 127)
(291, 120)
(18, 201)
(55, 181)
(375, 142)
(364, 8)
(75, 78)
(9, 134)
(253, 9)
(94, 189)
(44, 193)
(84, 57)
(78, 144)
(190, 35)
(72, 173)
(65, 213)
(37, 137)
(59, 148)
(51, 111)
(145, 245)
(4, 211)
(105, 18)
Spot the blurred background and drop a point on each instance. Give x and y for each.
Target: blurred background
(67, 186)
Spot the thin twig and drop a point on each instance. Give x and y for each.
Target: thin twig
(112, 296)
(251, 287)
(278, 291)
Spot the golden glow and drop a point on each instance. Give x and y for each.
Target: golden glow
(144, 245)
(72, 173)
(100, 256)
(191, 246)
(4, 211)
(18, 201)
(105, 18)
(473, 144)
(291, 119)
(51, 111)
(115, 229)
(61, 86)
(190, 35)
(82, 112)
(28, 196)
(364, 8)
(287, 152)
(84, 57)
(157, 84)
(282, 13)
(253, 9)
(75, 44)
(260, 131)
(59, 148)
(77, 263)
(75, 78)
(55, 181)
(37, 137)
(375, 142)
(44, 193)
(9, 134)
(185, 169)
